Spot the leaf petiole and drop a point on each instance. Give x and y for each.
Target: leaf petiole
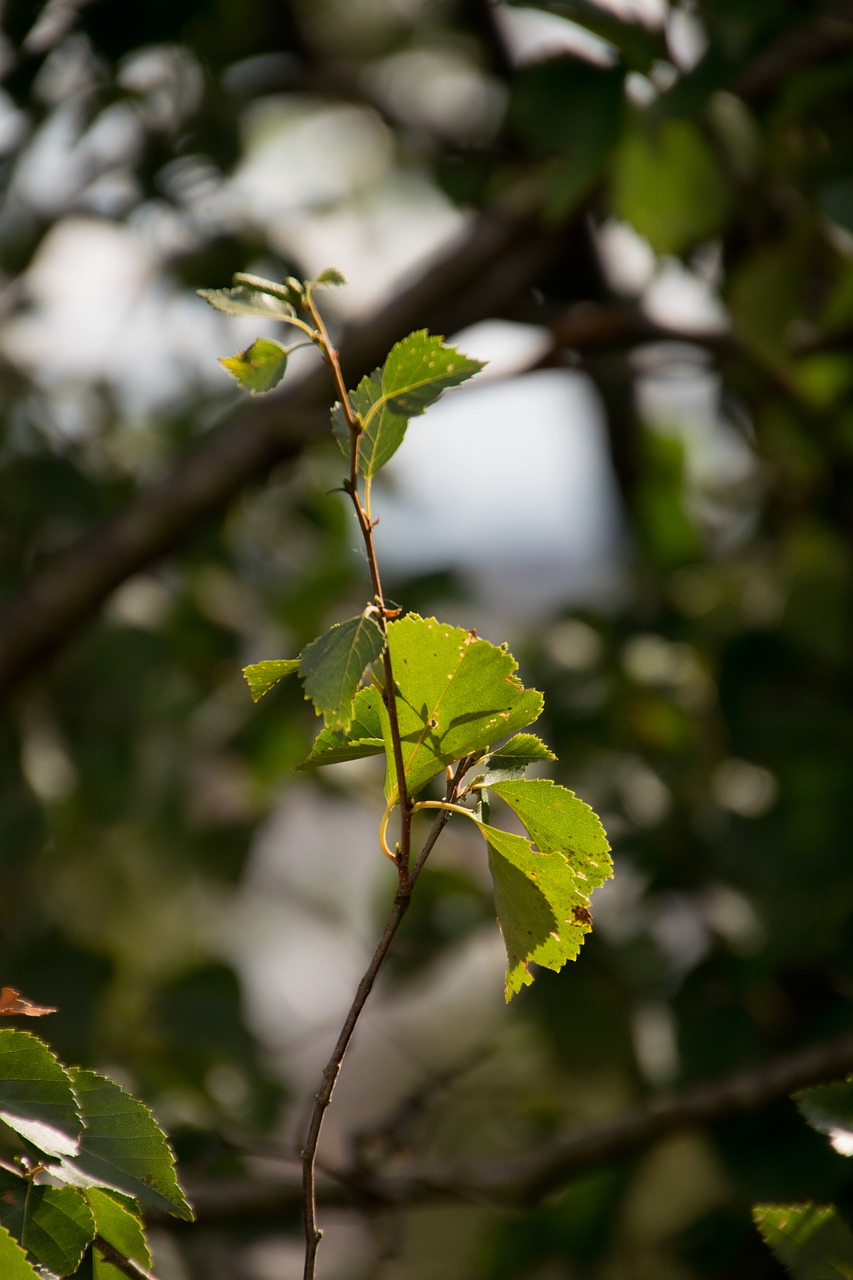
(443, 804)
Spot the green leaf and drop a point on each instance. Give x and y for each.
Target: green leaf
(511, 760)
(669, 186)
(260, 367)
(54, 1224)
(253, 297)
(118, 1222)
(364, 737)
(557, 820)
(811, 1241)
(263, 676)
(542, 908)
(122, 1147)
(13, 1260)
(332, 667)
(456, 694)
(415, 374)
(36, 1095)
(330, 276)
(829, 1109)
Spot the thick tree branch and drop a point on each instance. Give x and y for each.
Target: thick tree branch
(502, 251)
(529, 1176)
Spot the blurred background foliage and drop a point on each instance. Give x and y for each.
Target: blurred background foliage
(199, 912)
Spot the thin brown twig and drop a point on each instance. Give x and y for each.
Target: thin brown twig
(308, 1154)
(127, 1266)
(502, 251)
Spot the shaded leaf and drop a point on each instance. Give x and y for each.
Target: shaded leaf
(456, 694)
(13, 1260)
(829, 1109)
(263, 676)
(332, 667)
(260, 367)
(811, 1241)
(251, 299)
(415, 374)
(122, 1147)
(118, 1222)
(542, 908)
(363, 738)
(36, 1095)
(54, 1224)
(511, 760)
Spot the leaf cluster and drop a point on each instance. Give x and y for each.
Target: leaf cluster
(94, 1154)
(456, 704)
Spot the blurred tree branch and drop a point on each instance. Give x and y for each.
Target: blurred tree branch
(529, 1176)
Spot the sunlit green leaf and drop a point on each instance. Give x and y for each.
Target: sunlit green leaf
(13, 1260)
(332, 667)
(456, 694)
(415, 374)
(811, 1241)
(36, 1095)
(263, 676)
(542, 906)
(557, 820)
(122, 1147)
(363, 738)
(118, 1222)
(260, 367)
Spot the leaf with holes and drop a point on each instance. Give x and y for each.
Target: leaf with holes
(415, 374)
(557, 820)
(542, 906)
